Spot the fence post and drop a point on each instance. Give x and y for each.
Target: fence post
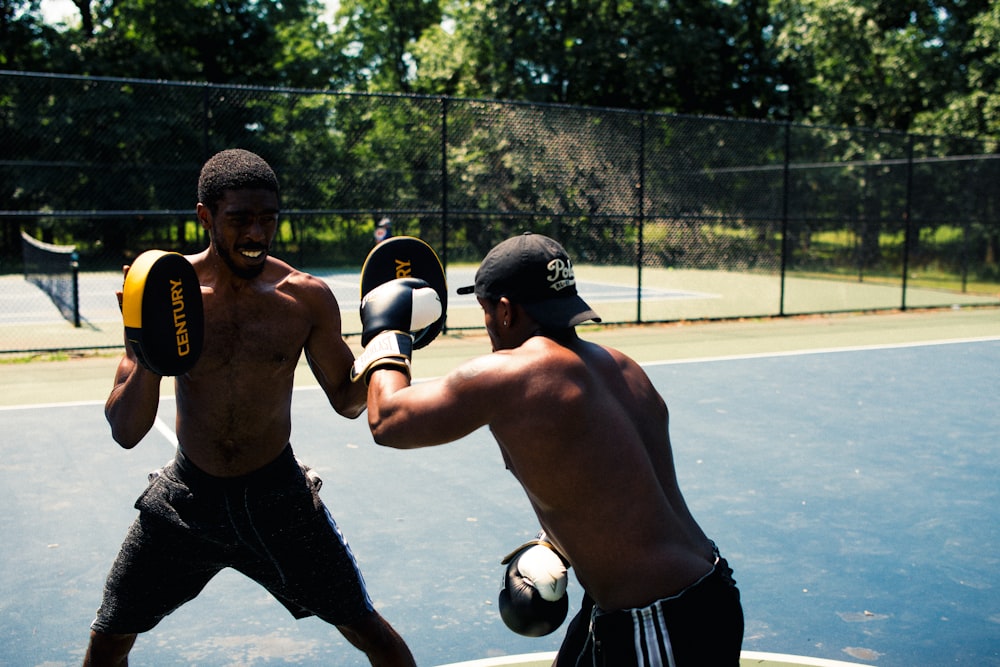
(641, 187)
(786, 178)
(908, 228)
(444, 190)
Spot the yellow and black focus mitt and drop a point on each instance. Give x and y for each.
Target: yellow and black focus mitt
(163, 312)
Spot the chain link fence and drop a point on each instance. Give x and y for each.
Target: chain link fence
(667, 217)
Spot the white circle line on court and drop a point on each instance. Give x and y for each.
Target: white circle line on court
(798, 660)
(746, 657)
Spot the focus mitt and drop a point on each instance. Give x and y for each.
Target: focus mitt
(163, 313)
(408, 257)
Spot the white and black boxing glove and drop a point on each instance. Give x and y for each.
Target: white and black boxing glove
(533, 600)
(403, 304)
(389, 315)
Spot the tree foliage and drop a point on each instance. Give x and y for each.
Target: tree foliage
(27, 42)
(378, 35)
(927, 65)
(971, 103)
(865, 63)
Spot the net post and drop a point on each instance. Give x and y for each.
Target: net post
(74, 265)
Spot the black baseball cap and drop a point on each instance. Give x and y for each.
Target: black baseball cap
(534, 271)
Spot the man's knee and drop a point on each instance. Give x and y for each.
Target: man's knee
(108, 649)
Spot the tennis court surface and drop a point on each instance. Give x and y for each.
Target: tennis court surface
(849, 474)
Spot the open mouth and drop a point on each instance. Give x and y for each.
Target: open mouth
(252, 253)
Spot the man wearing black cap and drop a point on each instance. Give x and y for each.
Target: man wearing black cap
(585, 432)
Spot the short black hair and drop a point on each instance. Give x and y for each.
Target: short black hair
(234, 169)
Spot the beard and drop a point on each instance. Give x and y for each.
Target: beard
(246, 273)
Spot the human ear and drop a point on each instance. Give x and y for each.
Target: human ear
(204, 216)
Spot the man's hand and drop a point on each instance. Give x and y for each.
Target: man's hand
(389, 315)
(403, 304)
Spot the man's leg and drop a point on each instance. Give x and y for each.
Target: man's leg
(379, 641)
(107, 650)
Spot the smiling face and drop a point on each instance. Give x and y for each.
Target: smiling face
(241, 229)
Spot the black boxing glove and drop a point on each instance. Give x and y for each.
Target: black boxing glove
(389, 315)
(533, 600)
(403, 304)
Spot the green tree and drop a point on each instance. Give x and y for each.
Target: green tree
(695, 56)
(637, 54)
(378, 38)
(27, 43)
(972, 105)
(863, 63)
(237, 41)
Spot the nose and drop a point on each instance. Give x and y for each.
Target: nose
(256, 231)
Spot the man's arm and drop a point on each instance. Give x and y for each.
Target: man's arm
(131, 407)
(134, 400)
(406, 416)
(329, 356)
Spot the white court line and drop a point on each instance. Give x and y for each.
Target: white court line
(765, 355)
(168, 432)
(45, 406)
(159, 425)
(825, 350)
(165, 431)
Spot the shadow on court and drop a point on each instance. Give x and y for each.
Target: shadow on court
(854, 492)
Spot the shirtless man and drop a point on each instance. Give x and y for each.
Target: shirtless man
(585, 432)
(235, 496)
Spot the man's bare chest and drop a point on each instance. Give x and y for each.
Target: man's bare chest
(263, 330)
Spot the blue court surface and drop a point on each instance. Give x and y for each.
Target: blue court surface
(854, 492)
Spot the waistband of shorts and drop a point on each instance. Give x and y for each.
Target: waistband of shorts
(720, 570)
(187, 471)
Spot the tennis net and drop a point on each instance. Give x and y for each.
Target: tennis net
(55, 270)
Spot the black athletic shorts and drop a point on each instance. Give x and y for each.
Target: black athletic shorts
(270, 525)
(702, 626)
